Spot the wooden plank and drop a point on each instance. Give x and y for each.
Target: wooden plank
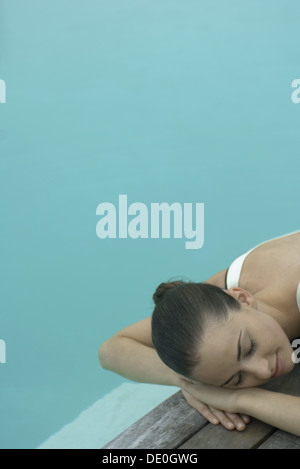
(281, 440)
(166, 426)
(218, 437)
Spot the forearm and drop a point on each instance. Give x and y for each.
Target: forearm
(277, 409)
(135, 361)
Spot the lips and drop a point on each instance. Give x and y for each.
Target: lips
(278, 365)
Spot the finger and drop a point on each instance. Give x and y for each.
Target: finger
(245, 418)
(202, 408)
(230, 420)
(207, 413)
(223, 418)
(237, 421)
(210, 416)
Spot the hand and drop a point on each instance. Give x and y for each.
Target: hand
(195, 395)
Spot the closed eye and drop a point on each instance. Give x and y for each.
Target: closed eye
(240, 380)
(249, 354)
(252, 348)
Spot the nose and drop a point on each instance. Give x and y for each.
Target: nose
(260, 368)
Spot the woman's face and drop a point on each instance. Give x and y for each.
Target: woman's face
(247, 350)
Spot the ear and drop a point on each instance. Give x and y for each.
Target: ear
(243, 296)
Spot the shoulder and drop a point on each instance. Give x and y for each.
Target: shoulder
(271, 263)
(282, 293)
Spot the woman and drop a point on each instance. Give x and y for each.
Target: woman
(219, 340)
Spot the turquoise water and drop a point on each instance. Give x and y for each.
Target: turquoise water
(162, 100)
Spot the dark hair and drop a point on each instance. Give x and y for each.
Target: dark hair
(182, 312)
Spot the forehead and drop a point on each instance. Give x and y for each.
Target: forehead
(219, 337)
(218, 350)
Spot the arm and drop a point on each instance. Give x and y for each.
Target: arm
(130, 353)
(277, 409)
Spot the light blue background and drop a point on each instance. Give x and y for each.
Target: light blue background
(162, 100)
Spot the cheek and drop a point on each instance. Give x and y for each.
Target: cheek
(274, 340)
(252, 383)
(213, 373)
(270, 334)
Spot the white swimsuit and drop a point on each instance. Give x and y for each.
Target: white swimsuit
(234, 271)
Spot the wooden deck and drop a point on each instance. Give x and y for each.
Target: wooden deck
(175, 425)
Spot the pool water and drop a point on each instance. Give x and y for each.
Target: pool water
(164, 101)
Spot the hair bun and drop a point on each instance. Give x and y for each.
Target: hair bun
(163, 288)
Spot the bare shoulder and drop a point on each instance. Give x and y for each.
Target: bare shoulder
(282, 294)
(265, 264)
(271, 262)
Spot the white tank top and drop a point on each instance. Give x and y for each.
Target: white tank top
(234, 271)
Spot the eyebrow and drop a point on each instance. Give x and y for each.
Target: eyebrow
(239, 353)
